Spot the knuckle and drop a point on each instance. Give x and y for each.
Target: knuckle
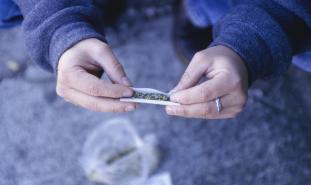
(94, 90)
(118, 67)
(235, 80)
(207, 112)
(175, 98)
(236, 83)
(99, 49)
(108, 92)
(184, 99)
(116, 109)
(187, 113)
(60, 91)
(204, 94)
(186, 76)
(63, 78)
(181, 111)
(198, 56)
(94, 106)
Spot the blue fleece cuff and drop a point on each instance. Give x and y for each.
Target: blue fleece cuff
(66, 37)
(258, 38)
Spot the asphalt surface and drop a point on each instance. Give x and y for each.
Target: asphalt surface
(41, 136)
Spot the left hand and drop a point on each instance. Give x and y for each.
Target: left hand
(226, 78)
(79, 82)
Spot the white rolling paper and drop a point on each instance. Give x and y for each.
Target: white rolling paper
(150, 96)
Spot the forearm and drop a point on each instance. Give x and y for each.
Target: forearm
(51, 27)
(263, 33)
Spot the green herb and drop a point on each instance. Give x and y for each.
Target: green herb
(151, 96)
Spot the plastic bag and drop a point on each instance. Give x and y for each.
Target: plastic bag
(114, 154)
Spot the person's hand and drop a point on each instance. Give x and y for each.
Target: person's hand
(78, 78)
(227, 78)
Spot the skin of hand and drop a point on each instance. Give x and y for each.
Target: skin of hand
(78, 78)
(227, 78)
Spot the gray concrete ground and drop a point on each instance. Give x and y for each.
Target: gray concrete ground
(41, 136)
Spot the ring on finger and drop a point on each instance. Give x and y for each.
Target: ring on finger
(218, 105)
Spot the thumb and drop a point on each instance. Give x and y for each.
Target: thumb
(192, 75)
(112, 67)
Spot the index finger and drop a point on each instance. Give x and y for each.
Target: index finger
(194, 72)
(89, 84)
(112, 66)
(207, 91)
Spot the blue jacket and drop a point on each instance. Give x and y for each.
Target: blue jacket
(265, 33)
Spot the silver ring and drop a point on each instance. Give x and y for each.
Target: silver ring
(218, 105)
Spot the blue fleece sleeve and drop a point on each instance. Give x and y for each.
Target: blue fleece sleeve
(266, 34)
(52, 27)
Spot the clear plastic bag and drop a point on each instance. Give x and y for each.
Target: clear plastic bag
(114, 154)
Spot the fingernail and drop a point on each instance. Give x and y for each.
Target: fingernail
(129, 108)
(126, 81)
(173, 98)
(128, 93)
(169, 110)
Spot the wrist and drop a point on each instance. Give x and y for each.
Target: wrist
(68, 36)
(238, 65)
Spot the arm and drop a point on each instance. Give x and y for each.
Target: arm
(257, 39)
(266, 34)
(52, 27)
(61, 36)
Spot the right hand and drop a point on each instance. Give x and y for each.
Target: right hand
(227, 78)
(78, 80)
